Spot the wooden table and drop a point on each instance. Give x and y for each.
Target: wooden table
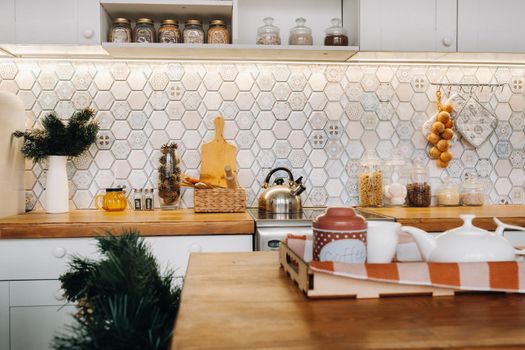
(245, 301)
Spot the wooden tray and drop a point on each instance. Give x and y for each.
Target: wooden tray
(323, 285)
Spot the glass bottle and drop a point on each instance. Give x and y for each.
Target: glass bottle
(396, 174)
(169, 177)
(371, 181)
(472, 192)
(336, 35)
(300, 34)
(144, 31)
(169, 32)
(218, 33)
(120, 31)
(193, 32)
(137, 199)
(268, 34)
(148, 199)
(419, 192)
(448, 193)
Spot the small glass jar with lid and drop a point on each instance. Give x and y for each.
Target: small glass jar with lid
(336, 35)
(300, 34)
(169, 32)
(419, 192)
(193, 32)
(448, 193)
(268, 34)
(371, 181)
(120, 31)
(144, 31)
(218, 33)
(472, 192)
(396, 172)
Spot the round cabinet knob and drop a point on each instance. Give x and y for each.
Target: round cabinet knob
(447, 41)
(59, 252)
(59, 295)
(195, 248)
(88, 33)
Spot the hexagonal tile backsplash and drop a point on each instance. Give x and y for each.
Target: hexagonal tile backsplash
(316, 119)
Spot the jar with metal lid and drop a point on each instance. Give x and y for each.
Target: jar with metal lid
(120, 31)
(169, 32)
(268, 34)
(193, 32)
(144, 31)
(419, 192)
(472, 192)
(448, 193)
(218, 33)
(336, 35)
(396, 172)
(300, 34)
(371, 181)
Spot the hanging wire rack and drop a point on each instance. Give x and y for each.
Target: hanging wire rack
(469, 88)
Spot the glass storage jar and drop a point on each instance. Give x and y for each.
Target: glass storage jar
(193, 32)
(419, 190)
(144, 31)
(448, 193)
(371, 181)
(396, 173)
(120, 31)
(472, 192)
(336, 35)
(218, 33)
(268, 34)
(169, 32)
(300, 34)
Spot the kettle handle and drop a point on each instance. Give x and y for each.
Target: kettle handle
(269, 176)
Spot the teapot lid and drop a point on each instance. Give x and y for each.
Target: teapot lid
(468, 226)
(340, 219)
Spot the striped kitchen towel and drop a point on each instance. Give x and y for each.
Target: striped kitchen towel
(507, 276)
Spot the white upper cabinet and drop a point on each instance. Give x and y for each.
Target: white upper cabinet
(7, 23)
(491, 26)
(57, 22)
(408, 25)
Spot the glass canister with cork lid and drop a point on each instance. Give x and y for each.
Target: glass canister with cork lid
(300, 34)
(472, 192)
(268, 34)
(371, 181)
(419, 192)
(395, 184)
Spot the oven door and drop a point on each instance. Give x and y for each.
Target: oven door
(268, 238)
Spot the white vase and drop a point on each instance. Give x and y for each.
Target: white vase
(57, 187)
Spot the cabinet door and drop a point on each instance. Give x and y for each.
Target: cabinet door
(4, 315)
(7, 24)
(408, 25)
(491, 26)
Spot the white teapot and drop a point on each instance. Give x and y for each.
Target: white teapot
(467, 243)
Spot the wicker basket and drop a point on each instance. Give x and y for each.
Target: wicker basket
(220, 200)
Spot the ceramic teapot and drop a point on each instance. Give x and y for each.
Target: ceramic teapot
(467, 243)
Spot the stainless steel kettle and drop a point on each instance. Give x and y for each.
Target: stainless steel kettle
(281, 196)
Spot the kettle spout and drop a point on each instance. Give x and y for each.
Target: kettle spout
(424, 241)
(298, 190)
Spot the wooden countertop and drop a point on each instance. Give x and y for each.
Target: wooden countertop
(245, 301)
(444, 218)
(90, 223)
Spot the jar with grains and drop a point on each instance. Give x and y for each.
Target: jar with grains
(169, 32)
(144, 31)
(396, 172)
(336, 35)
(448, 193)
(371, 181)
(120, 31)
(193, 32)
(472, 192)
(418, 190)
(300, 34)
(218, 33)
(268, 34)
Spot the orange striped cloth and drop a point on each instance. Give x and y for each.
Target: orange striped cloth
(507, 276)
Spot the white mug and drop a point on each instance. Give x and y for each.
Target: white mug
(382, 239)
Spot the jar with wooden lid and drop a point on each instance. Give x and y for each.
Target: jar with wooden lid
(336, 35)
(300, 34)
(144, 31)
(218, 33)
(120, 31)
(169, 32)
(193, 32)
(371, 181)
(268, 34)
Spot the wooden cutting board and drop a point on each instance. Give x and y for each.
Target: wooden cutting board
(216, 155)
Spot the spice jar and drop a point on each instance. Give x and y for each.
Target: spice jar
(396, 175)
(472, 192)
(448, 193)
(371, 181)
(144, 31)
(120, 31)
(300, 34)
(169, 31)
(419, 191)
(193, 32)
(336, 35)
(218, 33)
(268, 34)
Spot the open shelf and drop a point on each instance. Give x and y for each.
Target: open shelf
(233, 52)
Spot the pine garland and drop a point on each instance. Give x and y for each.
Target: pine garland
(58, 139)
(123, 301)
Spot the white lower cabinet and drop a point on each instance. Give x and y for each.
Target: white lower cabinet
(4, 315)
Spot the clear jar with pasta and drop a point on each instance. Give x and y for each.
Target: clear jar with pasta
(169, 32)
(218, 33)
(144, 31)
(120, 31)
(371, 181)
(193, 32)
